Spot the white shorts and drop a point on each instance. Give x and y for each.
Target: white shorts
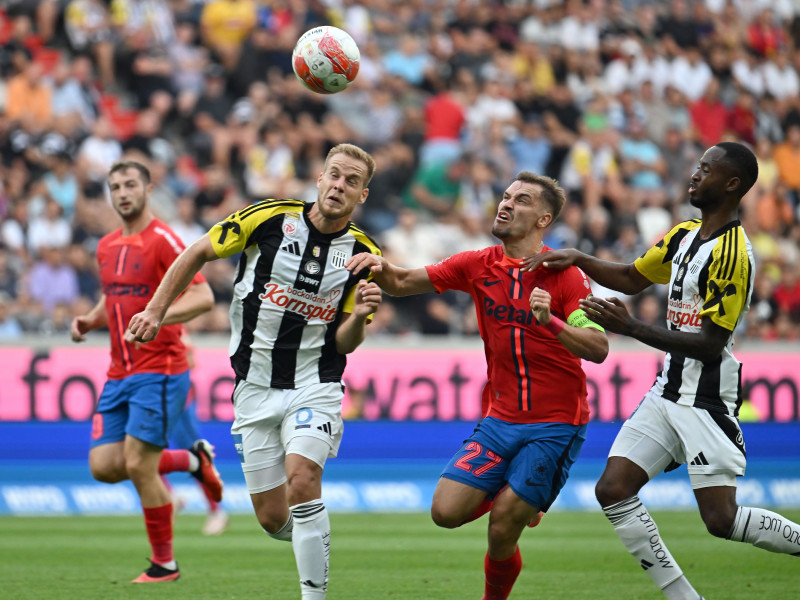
(270, 423)
(660, 432)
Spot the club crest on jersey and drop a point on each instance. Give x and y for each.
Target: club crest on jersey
(312, 267)
(289, 225)
(338, 258)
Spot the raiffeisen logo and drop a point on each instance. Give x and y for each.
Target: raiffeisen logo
(301, 302)
(682, 313)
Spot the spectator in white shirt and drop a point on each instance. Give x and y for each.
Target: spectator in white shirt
(780, 77)
(99, 151)
(747, 72)
(579, 30)
(50, 229)
(691, 74)
(619, 73)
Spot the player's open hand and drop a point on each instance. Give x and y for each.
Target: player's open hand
(143, 328)
(365, 260)
(610, 313)
(368, 298)
(558, 260)
(540, 305)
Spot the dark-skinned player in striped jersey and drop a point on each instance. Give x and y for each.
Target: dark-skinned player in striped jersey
(690, 413)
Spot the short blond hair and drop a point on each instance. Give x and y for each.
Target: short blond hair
(552, 193)
(357, 153)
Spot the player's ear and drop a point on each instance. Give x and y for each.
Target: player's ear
(545, 220)
(364, 194)
(734, 183)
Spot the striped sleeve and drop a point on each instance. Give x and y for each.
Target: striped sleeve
(656, 263)
(234, 233)
(729, 275)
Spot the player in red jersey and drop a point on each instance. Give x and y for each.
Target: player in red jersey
(534, 403)
(147, 385)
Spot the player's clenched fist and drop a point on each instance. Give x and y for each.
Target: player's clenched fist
(540, 305)
(368, 298)
(143, 328)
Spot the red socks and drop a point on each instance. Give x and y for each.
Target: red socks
(501, 575)
(173, 460)
(158, 522)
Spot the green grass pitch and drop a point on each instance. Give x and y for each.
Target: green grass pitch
(570, 556)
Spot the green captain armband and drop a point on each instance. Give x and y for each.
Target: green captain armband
(578, 318)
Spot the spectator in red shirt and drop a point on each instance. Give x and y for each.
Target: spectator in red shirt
(742, 118)
(709, 116)
(765, 36)
(787, 293)
(444, 119)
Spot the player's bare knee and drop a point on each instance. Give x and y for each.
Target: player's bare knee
(301, 490)
(105, 471)
(445, 519)
(609, 491)
(718, 523)
(138, 469)
(271, 522)
(505, 529)
(103, 474)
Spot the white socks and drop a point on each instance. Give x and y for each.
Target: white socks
(639, 534)
(283, 534)
(311, 539)
(766, 529)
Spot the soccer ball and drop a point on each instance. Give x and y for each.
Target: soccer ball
(325, 59)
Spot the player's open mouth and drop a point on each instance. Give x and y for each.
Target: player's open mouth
(503, 216)
(692, 188)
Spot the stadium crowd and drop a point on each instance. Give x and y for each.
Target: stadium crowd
(615, 99)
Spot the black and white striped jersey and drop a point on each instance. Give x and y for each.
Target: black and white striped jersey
(713, 279)
(290, 292)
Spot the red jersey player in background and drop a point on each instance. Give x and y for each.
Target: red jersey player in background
(185, 435)
(534, 404)
(147, 385)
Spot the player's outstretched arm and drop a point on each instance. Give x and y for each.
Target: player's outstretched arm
(97, 317)
(352, 329)
(197, 299)
(621, 277)
(587, 343)
(705, 345)
(145, 325)
(394, 280)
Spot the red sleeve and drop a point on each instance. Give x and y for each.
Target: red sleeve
(453, 273)
(169, 248)
(573, 287)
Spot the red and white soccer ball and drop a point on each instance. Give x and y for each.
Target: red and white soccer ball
(326, 59)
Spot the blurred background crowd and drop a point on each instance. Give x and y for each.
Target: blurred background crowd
(617, 99)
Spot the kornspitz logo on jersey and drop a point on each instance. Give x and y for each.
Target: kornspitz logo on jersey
(301, 302)
(682, 313)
